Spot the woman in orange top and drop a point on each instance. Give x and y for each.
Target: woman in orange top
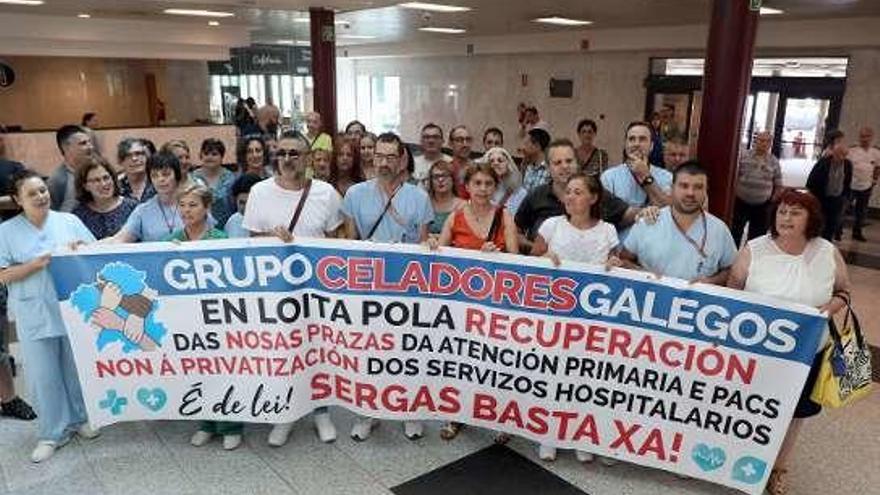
(478, 225)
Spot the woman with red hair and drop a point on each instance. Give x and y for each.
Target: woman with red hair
(793, 262)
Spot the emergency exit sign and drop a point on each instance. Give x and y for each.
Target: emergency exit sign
(755, 4)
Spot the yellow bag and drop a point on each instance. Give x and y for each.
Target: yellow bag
(845, 373)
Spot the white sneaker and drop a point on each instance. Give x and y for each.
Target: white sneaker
(413, 430)
(325, 426)
(608, 461)
(279, 434)
(584, 456)
(87, 432)
(231, 442)
(547, 453)
(201, 438)
(362, 428)
(44, 450)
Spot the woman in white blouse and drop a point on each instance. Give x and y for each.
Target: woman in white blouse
(794, 263)
(579, 235)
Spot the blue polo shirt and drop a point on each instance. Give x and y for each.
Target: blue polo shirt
(662, 247)
(620, 181)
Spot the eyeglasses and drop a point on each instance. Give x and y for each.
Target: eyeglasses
(282, 153)
(255, 151)
(136, 154)
(462, 139)
(385, 158)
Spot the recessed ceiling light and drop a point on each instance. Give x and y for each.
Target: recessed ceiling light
(84, 16)
(23, 2)
(443, 30)
(433, 7)
(305, 20)
(562, 21)
(213, 23)
(293, 42)
(356, 36)
(198, 13)
(770, 11)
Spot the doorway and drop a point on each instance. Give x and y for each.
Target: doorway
(797, 110)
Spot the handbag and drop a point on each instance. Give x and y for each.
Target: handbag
(845, 373)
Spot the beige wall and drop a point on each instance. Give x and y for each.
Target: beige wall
(52, 91)
(487, 89)
(37, 150)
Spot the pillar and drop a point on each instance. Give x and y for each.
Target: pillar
(323, 42)
(726, 81)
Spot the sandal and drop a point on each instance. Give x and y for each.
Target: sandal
(777, 484)
(502, 439)
(450, 430)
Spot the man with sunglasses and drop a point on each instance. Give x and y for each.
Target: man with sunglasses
(387, 209)
(432, 152)
(272, 210)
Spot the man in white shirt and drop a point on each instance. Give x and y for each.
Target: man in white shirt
(866, 169)
(270, 210)
(432, 152)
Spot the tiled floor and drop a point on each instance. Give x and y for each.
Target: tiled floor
(838, 451)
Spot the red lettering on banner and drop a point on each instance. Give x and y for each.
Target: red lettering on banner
(414, 276)
(394, 397)
(360, 273)
(438, 271)
(508, 285)
(323, 268)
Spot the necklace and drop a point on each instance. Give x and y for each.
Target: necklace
(169, 222)
(701, 247)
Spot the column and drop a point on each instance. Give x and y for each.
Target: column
(725, 89)
(323, 40)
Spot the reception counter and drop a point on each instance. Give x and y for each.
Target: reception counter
(37, 149)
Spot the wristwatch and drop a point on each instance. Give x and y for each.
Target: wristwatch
(647, 181)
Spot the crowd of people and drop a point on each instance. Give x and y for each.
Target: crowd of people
(564, 200)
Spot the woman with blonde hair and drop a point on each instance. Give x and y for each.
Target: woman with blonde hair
(509, 192)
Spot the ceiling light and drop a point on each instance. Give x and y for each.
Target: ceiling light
(23, 2)
(213, 23)
(293, 42)
(198, 13)
(561, 21)
(770, 11)
(433, 7)
(84, 16)
(443, 30)
(356, 36)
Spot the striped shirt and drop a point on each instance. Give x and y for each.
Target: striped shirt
(756, 177)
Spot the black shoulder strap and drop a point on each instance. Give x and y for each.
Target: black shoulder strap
(299, 206)
(382, 215)
(496, 223)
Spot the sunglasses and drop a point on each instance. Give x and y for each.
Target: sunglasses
(282, 153)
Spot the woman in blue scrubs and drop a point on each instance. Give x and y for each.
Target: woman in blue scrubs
(26, 244)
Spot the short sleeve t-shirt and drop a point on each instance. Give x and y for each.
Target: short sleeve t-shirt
(620, 181)
(270, 205)
(592, 245)
(410, 210)
(32, 301)
(664, 249)
(152, 221)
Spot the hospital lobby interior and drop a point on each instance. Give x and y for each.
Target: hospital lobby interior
(724, 74)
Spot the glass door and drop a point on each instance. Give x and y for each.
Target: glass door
(800, 137)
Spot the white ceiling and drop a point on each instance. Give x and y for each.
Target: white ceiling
(267, 21)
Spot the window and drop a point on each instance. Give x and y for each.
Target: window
(764, 67)
(378, 102)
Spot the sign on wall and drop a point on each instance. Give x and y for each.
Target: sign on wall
(266, 60)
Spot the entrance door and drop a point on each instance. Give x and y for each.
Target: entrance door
(800, 137)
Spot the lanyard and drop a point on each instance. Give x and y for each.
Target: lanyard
(169, 223)
(701, 247)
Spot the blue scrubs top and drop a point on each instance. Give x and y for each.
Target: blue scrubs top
(33, 301)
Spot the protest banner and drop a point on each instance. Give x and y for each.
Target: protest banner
(697, 380)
